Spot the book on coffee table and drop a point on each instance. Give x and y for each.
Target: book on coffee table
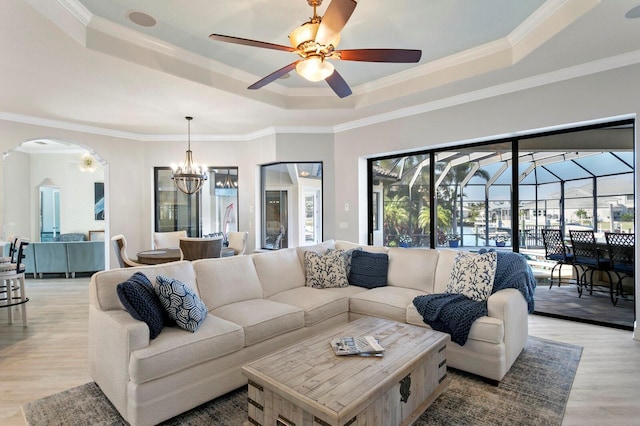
(362, 345)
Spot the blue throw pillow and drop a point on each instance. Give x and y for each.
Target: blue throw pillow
(181, 303)
(368, 270)
(141, 301)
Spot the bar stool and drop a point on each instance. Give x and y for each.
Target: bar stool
(13, 285)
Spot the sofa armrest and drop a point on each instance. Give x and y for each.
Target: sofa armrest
(113, 336)
(509, 306)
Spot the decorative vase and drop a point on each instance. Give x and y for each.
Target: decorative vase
(500, 243)
(453, 243)
(404, 245)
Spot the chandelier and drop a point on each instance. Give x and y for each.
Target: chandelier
(228, 183)
(189, 176)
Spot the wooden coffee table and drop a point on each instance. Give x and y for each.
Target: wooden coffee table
(307, 384)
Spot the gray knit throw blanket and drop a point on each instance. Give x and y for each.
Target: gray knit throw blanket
(455, 313)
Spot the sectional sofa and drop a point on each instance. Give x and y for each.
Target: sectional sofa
(64, 257)
(259, 303)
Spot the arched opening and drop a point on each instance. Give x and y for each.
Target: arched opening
(55, 190)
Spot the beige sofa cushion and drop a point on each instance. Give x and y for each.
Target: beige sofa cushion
(318, 304)
(262, 319)
(484, 329)
(105, 297)
(412, 268)
(346, 245)
(386, 302)
(175, 349)
(227, 280)
(446, 259)
(279, 270)
(320, 248)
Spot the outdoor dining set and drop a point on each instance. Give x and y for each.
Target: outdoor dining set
(591, 259)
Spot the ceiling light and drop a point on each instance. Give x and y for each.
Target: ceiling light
(314, 68)
(189, 176)
(87, 163)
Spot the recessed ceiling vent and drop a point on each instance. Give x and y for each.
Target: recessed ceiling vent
(142, 19)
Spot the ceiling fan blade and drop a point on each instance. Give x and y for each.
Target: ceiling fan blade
(337, 83)
(273, 76)
(380, 55)
(334, 20)
(248, 42)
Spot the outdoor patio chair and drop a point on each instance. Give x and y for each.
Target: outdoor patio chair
(621, 255)
(556, 250)
(587, 256)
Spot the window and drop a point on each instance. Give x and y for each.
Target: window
(174, 210)
(480, 195)
(213, 209)
(291, 204)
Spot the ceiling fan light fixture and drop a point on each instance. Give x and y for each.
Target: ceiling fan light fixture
(304, 36)
(314, 68)
(305, 32)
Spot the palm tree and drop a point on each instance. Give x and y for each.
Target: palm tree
(450, 190)
(396, 215)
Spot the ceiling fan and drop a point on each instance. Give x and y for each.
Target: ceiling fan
(315, 41)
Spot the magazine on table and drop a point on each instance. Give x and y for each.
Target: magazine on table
(362, 345)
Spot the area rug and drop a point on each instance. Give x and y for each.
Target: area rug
(534, 392)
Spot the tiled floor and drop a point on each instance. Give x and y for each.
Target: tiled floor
(563, 302)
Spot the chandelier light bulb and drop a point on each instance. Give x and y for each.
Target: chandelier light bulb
(314, 68)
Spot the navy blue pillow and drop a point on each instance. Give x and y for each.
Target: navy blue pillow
(368, 270)
(141, 301)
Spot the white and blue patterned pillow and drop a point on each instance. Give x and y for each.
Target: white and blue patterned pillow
(473, 274)
(325, 271)
(181, 303)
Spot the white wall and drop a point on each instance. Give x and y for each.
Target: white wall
(76, 192)
(611, 94)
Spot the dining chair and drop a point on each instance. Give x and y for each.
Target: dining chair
(587, 256)
(238, 241)
(200, 248)
(12, 281)
(556, 250)
(120, 246)
(620, 248)
(168, 239)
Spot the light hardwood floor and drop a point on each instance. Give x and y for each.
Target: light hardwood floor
(50, 356)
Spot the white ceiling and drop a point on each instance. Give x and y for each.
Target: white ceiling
(81, 64)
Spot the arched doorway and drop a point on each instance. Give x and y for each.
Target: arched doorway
(54, 187)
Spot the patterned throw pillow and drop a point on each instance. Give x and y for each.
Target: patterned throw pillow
(347, 257)
(181, 303)
(141, 301)
(473, 274)
(325, 271)
(369, 270)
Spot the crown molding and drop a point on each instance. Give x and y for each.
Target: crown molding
(550, 18)
(587, 69)
(577, 71)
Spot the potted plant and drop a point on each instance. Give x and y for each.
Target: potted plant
(501, 240)
(453, 240)
(405, 240)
